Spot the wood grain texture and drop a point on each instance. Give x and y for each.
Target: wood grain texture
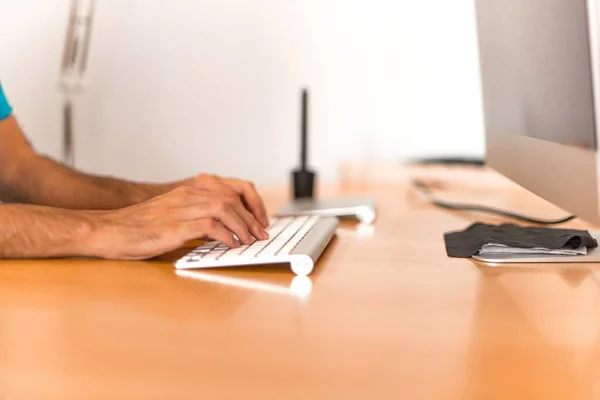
(389, 316)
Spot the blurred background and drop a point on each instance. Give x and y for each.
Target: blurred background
(178, 87)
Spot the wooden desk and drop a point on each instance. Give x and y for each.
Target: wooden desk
(389, 316)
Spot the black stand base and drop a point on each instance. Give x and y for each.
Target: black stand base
(303, 184)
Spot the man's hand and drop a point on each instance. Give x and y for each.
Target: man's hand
(166, 222)
(237, 188)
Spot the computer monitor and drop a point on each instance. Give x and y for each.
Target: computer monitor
(540, 75)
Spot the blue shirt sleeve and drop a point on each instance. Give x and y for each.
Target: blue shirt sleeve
(5, 109)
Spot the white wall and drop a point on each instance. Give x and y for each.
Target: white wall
(183, 86)
(31, 40)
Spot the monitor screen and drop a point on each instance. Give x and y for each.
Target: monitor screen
(536, 71)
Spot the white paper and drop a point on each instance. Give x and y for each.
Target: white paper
(495, 248)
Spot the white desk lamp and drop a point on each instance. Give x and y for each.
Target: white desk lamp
(73, 68)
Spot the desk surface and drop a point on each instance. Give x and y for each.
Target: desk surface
(385, 315)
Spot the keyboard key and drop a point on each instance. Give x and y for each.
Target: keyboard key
(291, 244)
(213, 255)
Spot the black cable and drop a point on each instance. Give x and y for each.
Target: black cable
(421, 187)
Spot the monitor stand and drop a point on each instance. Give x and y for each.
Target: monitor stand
(592, 256)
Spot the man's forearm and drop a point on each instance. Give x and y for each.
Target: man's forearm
(35, 232)
(26, 177)
(43, 181)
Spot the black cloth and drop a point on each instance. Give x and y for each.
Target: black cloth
(468, 242)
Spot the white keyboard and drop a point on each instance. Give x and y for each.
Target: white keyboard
(298, 241)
